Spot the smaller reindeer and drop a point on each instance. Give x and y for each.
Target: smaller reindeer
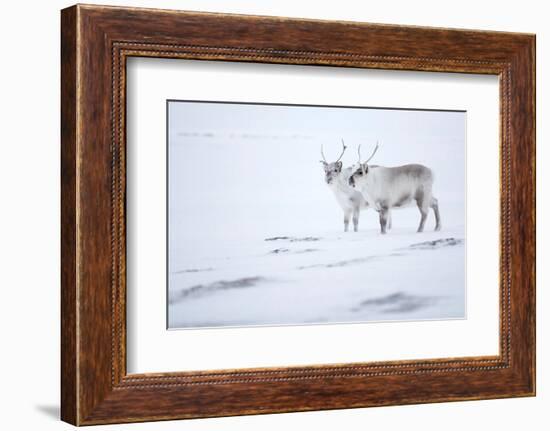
(351, 201)
(396, 187)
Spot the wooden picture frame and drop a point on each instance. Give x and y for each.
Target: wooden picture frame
(95, 43)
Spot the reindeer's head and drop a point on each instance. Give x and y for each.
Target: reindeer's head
(359, 176)
(334, 169)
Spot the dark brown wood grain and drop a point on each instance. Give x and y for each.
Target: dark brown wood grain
(68, 217)
(95, 42)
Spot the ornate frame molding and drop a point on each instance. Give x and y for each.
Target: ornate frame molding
(96, 41)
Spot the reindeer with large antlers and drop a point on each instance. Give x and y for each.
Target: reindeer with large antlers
(351, 201)
(396, 187)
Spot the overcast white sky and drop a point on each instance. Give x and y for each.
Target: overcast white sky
(288, 120)
(241, 168)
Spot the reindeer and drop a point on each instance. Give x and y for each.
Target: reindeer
(386, 188)
(351, 201)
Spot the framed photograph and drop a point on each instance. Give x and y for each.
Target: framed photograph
(255, 237)
(317, 215)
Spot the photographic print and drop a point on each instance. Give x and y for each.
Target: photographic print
(298, 214)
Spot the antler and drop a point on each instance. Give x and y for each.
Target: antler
(323, 155)
(368, 160)
(344, 148)
(343, 151)
(359, 161)
(373, 153)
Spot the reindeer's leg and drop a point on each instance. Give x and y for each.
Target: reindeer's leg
(383, 214)
(356, 211)
(347, 214)
(423, 200)
(423, 214)
(423, 217)
(435, 207)
(389, 220)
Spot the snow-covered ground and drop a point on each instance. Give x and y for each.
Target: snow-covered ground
(332, 277)
(256, 237)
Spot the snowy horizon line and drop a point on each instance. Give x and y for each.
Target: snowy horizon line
(247, 135)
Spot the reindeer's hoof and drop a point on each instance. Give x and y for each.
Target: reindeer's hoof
(437, 228)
